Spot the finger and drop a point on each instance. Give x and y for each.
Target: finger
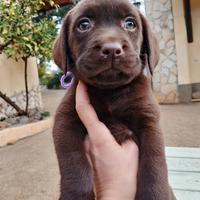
(132, 150)
(131, 146)
(83, 107)
(97, 131)
(87, 147)
(89, 160)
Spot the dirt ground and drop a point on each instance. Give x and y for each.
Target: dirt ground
(29, 170)
(181, 124)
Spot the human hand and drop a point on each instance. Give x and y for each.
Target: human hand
(114, 166)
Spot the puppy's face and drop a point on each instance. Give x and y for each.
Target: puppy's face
(104, 42)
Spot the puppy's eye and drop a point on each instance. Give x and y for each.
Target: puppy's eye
(84, 25)
(129, 24)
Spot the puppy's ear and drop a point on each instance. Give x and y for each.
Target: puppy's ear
(61, 51)
(150, 45)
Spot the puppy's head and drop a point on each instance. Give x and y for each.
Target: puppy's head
(106, 43)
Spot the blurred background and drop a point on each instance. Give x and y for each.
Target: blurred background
(30, 92)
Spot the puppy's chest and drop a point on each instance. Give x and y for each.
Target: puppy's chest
(120, 117)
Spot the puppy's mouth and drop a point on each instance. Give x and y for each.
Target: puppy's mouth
(107, 74)
(110, 78)
(110, 75)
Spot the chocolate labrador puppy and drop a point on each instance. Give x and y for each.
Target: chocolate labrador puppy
(109, 45)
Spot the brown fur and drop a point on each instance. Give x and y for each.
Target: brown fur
(120, 91)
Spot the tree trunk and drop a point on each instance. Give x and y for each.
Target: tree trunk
(12, 103)
(26, 83)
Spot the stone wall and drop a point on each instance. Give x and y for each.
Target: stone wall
(35, 102)
(159, 13)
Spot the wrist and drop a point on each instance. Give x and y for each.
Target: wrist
(115, 197)
(116, 193)
(109, 198)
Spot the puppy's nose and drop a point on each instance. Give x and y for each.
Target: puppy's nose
(112, 50)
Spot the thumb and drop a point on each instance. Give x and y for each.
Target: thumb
(97, 131)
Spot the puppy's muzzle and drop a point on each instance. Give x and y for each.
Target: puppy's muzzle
(111, 50)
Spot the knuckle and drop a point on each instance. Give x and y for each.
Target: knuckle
(80, 107)
(134, 148)
(98, 143)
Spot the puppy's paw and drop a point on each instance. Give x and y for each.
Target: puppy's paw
(120, 132)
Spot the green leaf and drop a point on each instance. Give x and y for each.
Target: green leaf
(23, 35)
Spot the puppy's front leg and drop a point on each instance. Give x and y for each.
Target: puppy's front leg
(75, 171)
(152, 174)
(119, 130)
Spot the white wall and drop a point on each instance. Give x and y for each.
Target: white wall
(12, 75)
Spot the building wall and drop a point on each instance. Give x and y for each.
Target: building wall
(181, 43)
(194, 48)
(177, 77)
(159, 13)
(188, 54)
(12, 84)
(182, 52)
